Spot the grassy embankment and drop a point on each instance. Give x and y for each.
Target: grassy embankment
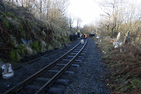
(125, 67)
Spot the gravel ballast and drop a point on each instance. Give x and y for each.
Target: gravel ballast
(89, 78)
(29, 69)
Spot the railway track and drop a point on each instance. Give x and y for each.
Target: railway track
(43, 80)
(32, 58)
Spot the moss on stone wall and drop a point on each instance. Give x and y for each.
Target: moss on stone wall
(12, 55)
(21, 49)
(7, 23)
(35, 45)
(30, 29)
(9, 14)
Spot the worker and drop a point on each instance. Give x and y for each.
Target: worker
(80, 35)
(78, 31)
(85, 36)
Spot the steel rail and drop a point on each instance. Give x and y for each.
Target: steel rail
(27, 80)
(57, 75)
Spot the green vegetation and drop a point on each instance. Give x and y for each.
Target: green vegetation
(35, 45)
(9, 14)
(7, 23)
(124, 66)
(136, 82)
(12, 55)
(13, 40)
(21, 49)
(17, 23)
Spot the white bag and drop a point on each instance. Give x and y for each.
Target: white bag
(82, 41)
(7, 71)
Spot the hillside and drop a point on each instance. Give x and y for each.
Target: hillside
(22, 34)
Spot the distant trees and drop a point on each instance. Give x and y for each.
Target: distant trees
(87, 29)
(79, 20)
(119, 16)
(71, 19)
(112, 10)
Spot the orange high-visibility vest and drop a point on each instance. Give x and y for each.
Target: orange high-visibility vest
(85, 36)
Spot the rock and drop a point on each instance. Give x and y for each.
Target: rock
(53, 38)
(43, 49)
(43, 45)
(1, 6)
(26, 42)
(55, 48)
(29, 50)
(13, 40)
(29, 42)
(1, 62)
(34, 51)
(50, 47)
(42, 53)
(18, 56)
(24, 60)
(8, 85)
(107, 81)
(43, 34)
(108, 85)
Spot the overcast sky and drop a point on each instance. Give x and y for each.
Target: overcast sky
(88, 10)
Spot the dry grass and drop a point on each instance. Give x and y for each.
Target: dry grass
(125, 67)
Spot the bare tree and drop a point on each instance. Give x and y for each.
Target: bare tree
(113, 11)
(78, 22)
(53, 11)
(70, 21)
(40, 9)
